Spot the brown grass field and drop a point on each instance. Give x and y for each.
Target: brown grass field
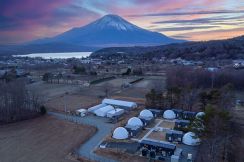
(72, 101)
(167, 124)
(44, 139)
(160, 136)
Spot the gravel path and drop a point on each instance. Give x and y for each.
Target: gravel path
(104, 128)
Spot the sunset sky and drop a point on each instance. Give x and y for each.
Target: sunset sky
(25, 20)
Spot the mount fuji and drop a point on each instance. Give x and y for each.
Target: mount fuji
(109, 31)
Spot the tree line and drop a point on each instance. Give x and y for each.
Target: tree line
(195, 90)
(17, 103)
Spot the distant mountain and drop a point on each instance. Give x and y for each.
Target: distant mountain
(208, 50)
(108, 31)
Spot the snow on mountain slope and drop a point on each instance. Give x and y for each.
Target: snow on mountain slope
(114, 21)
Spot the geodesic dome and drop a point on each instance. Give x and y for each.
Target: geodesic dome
(169, 114)
(135, 121)
(200, 114)
(120, 133)
(145, 114)
(191, 139)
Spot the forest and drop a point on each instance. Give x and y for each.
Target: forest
(205, 50)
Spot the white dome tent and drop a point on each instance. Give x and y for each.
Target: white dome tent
(191, 139)
(135, 121)
(169, 114)
(200, 114)
(146, 114)
(120, 133)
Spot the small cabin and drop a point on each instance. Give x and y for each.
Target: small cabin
(133, 130)
(174, 136)
(182, 123)
(156, 112)
(178, 112)
(161, 148)
(188, 115)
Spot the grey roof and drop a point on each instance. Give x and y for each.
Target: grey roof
(182, 121)
(174, 132)
(159, 144)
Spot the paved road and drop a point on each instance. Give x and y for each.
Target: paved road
(104, 128)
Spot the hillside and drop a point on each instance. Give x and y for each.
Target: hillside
(218, 49)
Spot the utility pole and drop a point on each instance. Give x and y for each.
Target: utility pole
(65, 105)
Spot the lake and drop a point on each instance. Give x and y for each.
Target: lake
(64, 55)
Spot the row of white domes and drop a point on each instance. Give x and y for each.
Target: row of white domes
(188, 138)
(170, 114)
(122, 133)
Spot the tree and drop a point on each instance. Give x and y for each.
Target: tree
(47, 77)
(127, 72)
(214, 128)
(59, 76)
(173, 96)
(155, 99)
(16, 102)
(79, 69)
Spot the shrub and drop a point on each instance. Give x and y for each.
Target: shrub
(43, 110)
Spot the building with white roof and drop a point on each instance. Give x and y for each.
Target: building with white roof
(146, 114)
(200, 114)
(120, 133)
(94, 108)
(103, 110)
(115, 112)
(120, 103)
(169, 114)
(191, 139)
(135, 121)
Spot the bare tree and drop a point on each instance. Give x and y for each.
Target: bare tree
(16, 102)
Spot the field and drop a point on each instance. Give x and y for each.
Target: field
(160, 136)
(71, 102)
(57, 96)
(44, 139)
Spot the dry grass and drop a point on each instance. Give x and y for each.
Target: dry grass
(44, 139)
(142, 133)
(160, 136)
(73, 102)
(167, 124)
(132, 99)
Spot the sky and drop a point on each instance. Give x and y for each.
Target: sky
(197, 20)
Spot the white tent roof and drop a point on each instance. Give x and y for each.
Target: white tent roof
(82, 110)
(169, 114)
(120, 133)
(135, 121)
(119, 103)
(104, 110)
(94, 108)
(200, 114)
(145, 114)
(115, 112)
(190, 139)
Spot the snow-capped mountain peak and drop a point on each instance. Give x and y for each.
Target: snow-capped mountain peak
(114, 21)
